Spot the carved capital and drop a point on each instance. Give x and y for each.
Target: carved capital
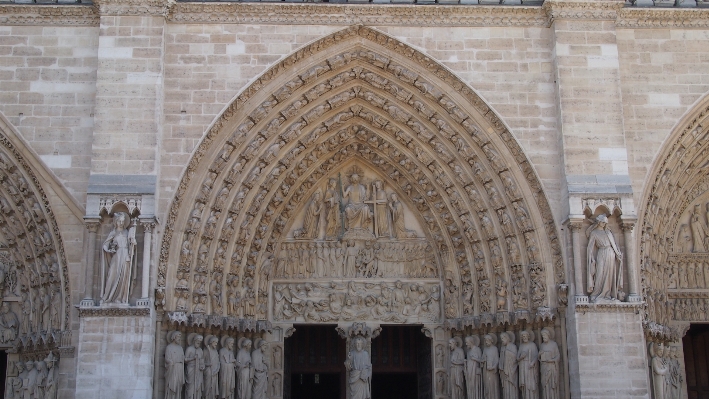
(627, 226)
(148, 226)
(92, 225)
(575, 225)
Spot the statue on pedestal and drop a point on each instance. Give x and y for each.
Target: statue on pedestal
(605, 263)
(360, 368)
(118, 252)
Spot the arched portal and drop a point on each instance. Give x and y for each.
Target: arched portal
(34, 285)
(359, 181)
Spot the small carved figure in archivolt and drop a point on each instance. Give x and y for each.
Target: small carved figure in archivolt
(118, 257)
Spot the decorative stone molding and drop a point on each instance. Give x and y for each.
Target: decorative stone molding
(633, 17)
(689, 294)
(617, 307)
(113, 312)
(611, 204)
(133, 7)
(589, 10)
(50, 14)
(358, 329)
(349, 14)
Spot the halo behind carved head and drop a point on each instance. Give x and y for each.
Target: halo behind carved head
(475, 339)
(224, 340)
(171, 335)
(458, 341)
(493, 338)
(126, 219)
(354, 170)
(511, 336)
(548, 331)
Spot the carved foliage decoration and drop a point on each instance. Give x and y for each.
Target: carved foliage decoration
(432, 141)
(33, 264)
(673, 251)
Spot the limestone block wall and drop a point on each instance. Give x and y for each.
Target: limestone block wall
(662, 76)
(115, 357)
(47, 90)
(206, 66)
(612, 352)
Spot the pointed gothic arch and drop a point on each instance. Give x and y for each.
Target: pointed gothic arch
(360, 94)
(673, 252)
(34, 266)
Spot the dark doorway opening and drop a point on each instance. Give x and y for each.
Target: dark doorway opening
(3, 371)
(314, 363)
(401, 363)
(696, 361)
(315, 356)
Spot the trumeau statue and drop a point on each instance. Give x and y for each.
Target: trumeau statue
(605, 263)
(118, 254)
(359, 367)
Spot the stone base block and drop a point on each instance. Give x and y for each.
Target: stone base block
(611, 353)
(115, 357)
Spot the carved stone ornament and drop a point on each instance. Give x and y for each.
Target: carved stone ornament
(347, 180)
(674, 250)
(345, 14)
(33, 273)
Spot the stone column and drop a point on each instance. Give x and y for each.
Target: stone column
(147, 238)
(579, 293)
(634, 294)
(92, 227)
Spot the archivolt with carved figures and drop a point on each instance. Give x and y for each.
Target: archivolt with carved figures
(440, 183)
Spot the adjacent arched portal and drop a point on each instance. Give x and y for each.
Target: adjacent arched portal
(359, 180)
(34, 285)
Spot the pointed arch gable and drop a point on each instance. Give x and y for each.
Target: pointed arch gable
(361, 92)
(677, 185)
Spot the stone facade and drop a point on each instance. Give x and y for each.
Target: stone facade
(239, 170)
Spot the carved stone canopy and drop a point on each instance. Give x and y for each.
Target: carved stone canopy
(359, 98)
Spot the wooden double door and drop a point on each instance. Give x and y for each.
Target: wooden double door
(315, 357)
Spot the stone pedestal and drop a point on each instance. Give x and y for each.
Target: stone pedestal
(115, 353)
(607, 352)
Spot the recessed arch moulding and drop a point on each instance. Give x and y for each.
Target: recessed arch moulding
(268, 222)
(674, 244)
(34, 282)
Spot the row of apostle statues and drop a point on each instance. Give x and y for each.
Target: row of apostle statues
(667, 376)
(32, 379)
(215, 374)
(510, 372)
